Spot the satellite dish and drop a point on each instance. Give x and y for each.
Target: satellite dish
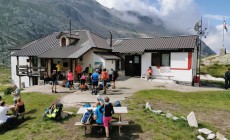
(196, 27)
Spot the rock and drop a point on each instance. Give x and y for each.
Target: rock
(169, 115)
(220, 136)
(192, 120)
(157, 111)
(147, 106)
(175, 118)
(204, 131)
(211, 136)
(200, 137)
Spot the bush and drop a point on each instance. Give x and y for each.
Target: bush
(8, 90)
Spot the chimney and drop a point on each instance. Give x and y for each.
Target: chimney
(111, 39)
(70, 27)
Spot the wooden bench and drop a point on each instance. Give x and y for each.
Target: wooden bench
(117, 123)
(168, 76)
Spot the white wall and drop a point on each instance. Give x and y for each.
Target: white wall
(88, 59)
(145, 62)
(178, 60)
(110, 64)
(15, 78)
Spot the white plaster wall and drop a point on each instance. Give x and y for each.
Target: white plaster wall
(88, 59)
(110, 64)
(97, 58)
(145, 62)
(15, 78)
(178, 60)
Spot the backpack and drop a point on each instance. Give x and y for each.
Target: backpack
(86, 105)
(87, 117)
(117, 104)
(54, 112)
(100, 87)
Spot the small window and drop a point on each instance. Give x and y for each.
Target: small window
(63, 42)
(165, 59)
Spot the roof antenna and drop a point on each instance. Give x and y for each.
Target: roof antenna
(70, 27)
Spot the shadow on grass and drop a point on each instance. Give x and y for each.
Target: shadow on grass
(13, 124)
(31, 111)
(59, 120)
(129, 132)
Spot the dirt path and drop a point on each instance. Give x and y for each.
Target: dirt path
(126, 86)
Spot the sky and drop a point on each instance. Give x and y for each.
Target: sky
(181, 15)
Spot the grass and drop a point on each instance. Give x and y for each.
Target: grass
(5, 74)
(178, 103)
(33, 126)
(143, 123)
(216, 70)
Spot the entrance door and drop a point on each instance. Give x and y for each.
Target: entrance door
(133, 65)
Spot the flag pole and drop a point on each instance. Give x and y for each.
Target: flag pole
(223, 31)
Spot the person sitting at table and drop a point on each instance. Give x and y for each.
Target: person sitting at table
(107, 110)
(3, 111)
(98, 116)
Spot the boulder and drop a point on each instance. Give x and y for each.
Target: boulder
(157, 111)
(211, 136)
(147, 106)
(200, 137)
(204, 131)
(169, 115)
(175, 118)
(220, 136)
(192, 120)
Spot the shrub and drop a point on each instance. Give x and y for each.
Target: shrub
(8, 90)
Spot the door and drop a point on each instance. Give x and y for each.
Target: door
(133, 65)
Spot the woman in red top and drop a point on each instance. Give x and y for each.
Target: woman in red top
(70, 79)
(150, 72)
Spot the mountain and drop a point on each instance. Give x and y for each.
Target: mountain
(22, 21)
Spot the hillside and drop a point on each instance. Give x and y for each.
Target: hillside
(22, 21)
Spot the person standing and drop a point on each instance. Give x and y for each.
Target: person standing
(59, 68)
(79, 71)
(114, 77)
(107, 110)
(95, 78)
(16, 93)
(227, 79)
(104, 77)
(90, 72)
(54, 78)
(70, 79)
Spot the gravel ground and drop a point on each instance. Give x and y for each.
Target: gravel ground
(126, 86)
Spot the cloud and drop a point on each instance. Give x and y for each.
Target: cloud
(178, 15)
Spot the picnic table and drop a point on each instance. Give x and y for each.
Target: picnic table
(117, 110)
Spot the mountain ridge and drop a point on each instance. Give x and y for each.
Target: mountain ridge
(23, 21)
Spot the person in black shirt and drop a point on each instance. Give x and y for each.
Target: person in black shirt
(54, 78)
(107, 110)
(227, 79)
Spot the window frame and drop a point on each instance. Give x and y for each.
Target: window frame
(160, 57)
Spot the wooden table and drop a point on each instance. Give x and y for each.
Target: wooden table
(117, 110)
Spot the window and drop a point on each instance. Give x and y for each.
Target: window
(63, 42)
(160, 59)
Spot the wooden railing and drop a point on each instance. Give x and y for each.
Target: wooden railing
(24, 70)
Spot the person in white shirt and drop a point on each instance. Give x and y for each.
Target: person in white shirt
(3, 111)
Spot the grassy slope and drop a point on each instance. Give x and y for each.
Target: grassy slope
(179, 103)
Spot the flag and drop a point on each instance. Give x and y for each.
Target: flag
(225, 26)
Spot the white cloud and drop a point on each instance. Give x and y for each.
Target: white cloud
(178, 15)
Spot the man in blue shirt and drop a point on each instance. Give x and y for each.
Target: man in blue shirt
(95, 78)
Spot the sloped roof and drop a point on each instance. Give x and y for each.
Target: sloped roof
(49, 46)
(140, 45)
(107, 56)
